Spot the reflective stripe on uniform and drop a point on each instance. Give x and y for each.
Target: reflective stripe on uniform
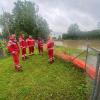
(50, 48)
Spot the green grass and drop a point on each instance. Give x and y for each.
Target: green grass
(72, 51)
(41, 80)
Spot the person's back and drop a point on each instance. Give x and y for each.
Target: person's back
(50, 44)
(23, 46)
(14, 50)
(50, 48)
(30, 44)
(22, 42)
(12, 45)
(40, 46)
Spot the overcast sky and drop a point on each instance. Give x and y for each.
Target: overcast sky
(60, 14)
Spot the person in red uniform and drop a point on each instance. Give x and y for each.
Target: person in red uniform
(40, 46)
(30, 44)
(14, 50)
(50, 48)
(23, 46)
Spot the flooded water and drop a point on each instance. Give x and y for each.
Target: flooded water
(81, 44)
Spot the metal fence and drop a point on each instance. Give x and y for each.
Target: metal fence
(91, 57)
(93, 60)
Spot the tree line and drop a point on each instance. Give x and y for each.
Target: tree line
(24, 18)
(75, 33)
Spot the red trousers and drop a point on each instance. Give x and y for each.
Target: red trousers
(23, 52)
(17, 62)
(40, 49)
(51, 54)
(31, 49)
(16, 59)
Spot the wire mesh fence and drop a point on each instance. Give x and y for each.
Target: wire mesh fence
(91, 57)
(93, 70)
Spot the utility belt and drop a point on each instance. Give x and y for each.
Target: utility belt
(15, 52)
(50, 48)
(31, 46)
(23, 47)
(40, 45)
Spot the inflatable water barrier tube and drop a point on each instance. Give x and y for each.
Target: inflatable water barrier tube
(90, 70)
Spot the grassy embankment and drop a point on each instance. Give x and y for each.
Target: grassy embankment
(72, 51)
(41, 80)
(80, 54)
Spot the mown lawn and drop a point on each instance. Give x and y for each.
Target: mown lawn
(41, 80)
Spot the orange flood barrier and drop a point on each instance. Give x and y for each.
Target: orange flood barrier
(91, 71)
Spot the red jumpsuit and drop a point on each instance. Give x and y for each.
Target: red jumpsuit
(50, 47)
(14, 50)
(40, 46)
(30, 45)
(23, 46)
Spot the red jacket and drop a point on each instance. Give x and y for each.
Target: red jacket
(50, 44)
(13, 46)
(22, 43)
(30, 42)
(40, 43)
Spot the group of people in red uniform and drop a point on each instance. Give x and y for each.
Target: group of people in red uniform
(14, 48)
(28, 43)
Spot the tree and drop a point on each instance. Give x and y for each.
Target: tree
(6, 23)
(73, 32)
(42, 28)
(24, 15)
(94, 34)
(25, 18)
(73, 29)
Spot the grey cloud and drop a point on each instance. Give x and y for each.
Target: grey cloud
(83, 12)
(61, 13)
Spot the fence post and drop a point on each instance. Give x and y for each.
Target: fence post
(96, 89)
(86, 56)
(98, 85)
